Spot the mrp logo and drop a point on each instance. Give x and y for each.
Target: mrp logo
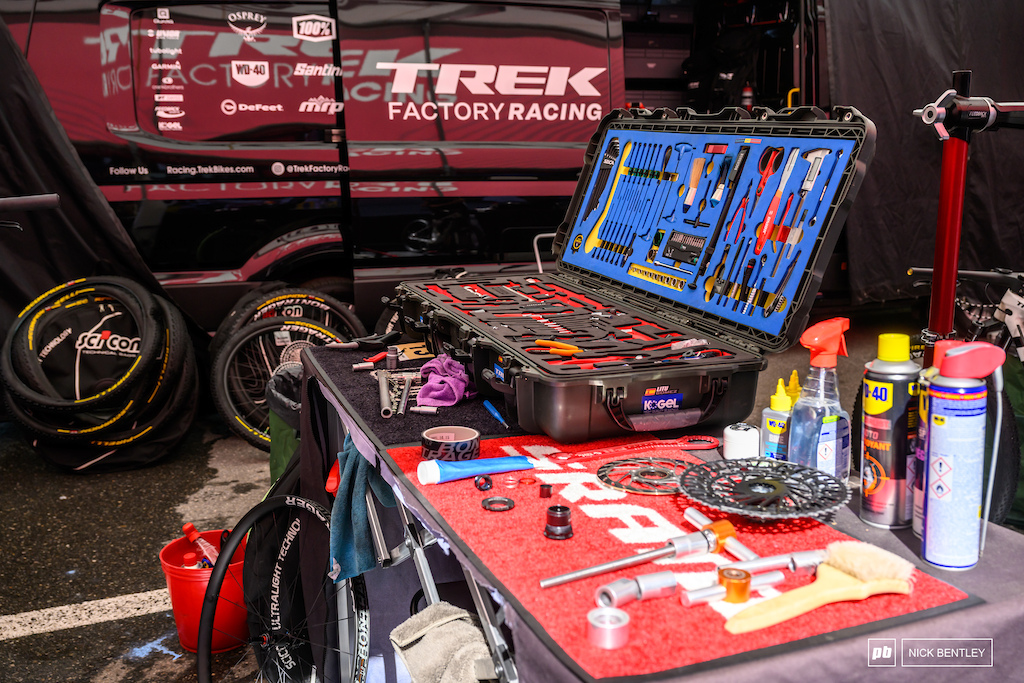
(661, 402)
(882, 652)
(314, 28)
(488, 79)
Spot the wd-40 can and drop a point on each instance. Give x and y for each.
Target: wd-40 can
(888, 434)
(954, 475)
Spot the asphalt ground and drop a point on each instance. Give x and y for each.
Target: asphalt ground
(70, 540)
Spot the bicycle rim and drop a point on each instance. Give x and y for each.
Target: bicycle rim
(299, 625)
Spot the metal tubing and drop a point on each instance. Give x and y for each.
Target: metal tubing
(791, 561)
(717, 591)
(947, 235)
(405, 396)
(732, 544)
(680, 546)
(385, 394)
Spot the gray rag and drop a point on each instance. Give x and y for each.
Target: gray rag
(441, 644)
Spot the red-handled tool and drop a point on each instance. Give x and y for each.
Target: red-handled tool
(767, 226)
(771, 159)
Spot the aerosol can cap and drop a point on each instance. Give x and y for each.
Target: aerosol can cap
(826, 342)
(941, 348)
(894, 348)
(975, 360)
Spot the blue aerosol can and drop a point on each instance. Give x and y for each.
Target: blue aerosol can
(954, 474)
(889, 434)
(917, 466)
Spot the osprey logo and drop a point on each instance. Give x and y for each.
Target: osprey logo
(107, 342)
(247, 24)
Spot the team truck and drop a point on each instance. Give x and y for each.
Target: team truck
(342, 146)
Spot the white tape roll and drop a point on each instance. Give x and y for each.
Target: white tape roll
(740, 440)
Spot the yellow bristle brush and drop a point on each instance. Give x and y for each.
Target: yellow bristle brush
(852, 571)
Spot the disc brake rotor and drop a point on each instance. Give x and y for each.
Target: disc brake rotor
(764, 489)
(650, 476)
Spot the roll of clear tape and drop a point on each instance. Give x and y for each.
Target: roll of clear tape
(739, 441)
(607, 628)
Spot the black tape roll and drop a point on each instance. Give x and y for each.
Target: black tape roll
(451, 443)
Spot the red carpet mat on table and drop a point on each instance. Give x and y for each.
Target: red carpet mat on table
(608, 525)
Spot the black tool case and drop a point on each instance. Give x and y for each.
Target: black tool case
(694, 245)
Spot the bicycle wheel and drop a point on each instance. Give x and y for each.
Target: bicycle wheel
(288, 303)
(245, 364)
(287, 645)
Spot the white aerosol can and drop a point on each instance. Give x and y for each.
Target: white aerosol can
(889, 434)
(954, 476)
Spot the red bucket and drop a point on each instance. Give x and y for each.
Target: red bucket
(188, 587)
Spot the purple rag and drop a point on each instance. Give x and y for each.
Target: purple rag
(447, 383)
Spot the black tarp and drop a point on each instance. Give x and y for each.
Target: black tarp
(83, 237)
(889, 57)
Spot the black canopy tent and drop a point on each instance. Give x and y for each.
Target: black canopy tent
(890, 57)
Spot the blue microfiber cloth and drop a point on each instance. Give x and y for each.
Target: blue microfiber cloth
(351, 546)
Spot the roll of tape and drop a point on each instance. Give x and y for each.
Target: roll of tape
(740, 440)
(450, 443)
(607, 627)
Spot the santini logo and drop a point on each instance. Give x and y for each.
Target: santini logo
(107, 341)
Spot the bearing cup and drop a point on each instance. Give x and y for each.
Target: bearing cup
(450, 443)
(559, 526)
(607, 627)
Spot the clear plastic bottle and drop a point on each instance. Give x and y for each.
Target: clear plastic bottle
(204, 548)
(819, 428)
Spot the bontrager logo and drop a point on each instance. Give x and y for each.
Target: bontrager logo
(107, 341)
(252, 74)
(313, 27)
(506, 79)
(247, 24)
(321, 104)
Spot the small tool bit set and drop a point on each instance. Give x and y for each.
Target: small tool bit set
(693, 246)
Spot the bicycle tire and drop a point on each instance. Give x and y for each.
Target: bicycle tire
(291, 303)
(286, 653)
(23, 375)
(245, 364)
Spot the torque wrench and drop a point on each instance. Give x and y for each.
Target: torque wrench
(767, 226)
(592, 239)
(611, 154)
(733, 177)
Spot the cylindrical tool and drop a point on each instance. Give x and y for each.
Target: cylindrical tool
(644, 587)
(718, 592)
(698, 543)
(732, 544)
(385, 395)
(559, 524)
(402, 402)
(607, 627)
(736, 583)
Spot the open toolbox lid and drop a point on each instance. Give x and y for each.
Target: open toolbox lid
(723, 222)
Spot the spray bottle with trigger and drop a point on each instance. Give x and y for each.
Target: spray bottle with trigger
(819, 428)
(953, 528)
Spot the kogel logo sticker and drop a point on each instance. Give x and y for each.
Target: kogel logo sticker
(252, 74)
(661, 402)
(313, 27)
(107, 342)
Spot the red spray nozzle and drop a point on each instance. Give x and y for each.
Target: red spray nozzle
(826, 342)
(975, 360)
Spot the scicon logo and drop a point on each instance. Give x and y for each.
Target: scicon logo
(314, 28)
(107, 341)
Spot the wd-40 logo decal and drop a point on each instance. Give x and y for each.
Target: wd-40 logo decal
(252, 74)
(660, 402)
(109, 342)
